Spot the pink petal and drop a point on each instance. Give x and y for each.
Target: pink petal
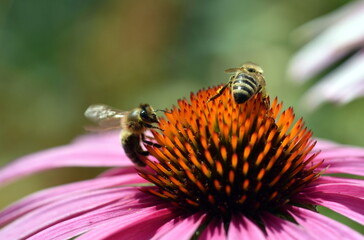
(54, 194)
(324, 144)
(215, 230)
(140, 224)
(94, 220)
(351, 207)
(95, 151)
(354, 166)
(342, 85)
(241, 227)
(321, 227)
(330, 180)
(183, 229)
(278, 229)
(341, 159)
(354, 190)
(332, 44)
(53, 213)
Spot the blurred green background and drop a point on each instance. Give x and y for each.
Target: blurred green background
(58, 57)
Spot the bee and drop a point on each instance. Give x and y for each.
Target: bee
(247, 81)
(133, 124)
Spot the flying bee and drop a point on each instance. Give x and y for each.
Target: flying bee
(133, 124)
(247, 81)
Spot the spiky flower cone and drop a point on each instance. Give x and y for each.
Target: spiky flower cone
(221, 157)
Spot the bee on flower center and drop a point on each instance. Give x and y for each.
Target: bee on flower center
(133, 124)
(247, 81)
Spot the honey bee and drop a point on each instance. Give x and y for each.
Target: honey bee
(133, 124)
(247, 81)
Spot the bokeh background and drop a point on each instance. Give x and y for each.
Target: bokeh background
(58, 57)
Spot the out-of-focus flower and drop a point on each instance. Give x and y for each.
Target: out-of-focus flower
(334, 36)
(224, 171)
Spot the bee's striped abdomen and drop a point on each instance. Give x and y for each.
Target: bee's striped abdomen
(243, 87)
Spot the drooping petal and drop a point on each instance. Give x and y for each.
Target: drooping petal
(141, 224)
(90, 152)
(183, 229)
(241, 227)
(351, 207)
(71, 207)
(278, 229)
(340, 86)
(354, 190)
(324, 144)
(214, 230)
(341, 159)
(97, 219)
(330, 180)
(322, 227)
(54, 194)
(332, 44)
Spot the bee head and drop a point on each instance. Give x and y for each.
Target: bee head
(252, 68)
(147, 114)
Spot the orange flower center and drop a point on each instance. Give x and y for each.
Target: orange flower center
(224, 157)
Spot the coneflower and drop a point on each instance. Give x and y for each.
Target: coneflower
(225, 158)
(223, 171)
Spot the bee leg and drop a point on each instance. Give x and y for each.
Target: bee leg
(147, 125)
(144, 153)
(150, 143)
(265, 98)
(219, 92)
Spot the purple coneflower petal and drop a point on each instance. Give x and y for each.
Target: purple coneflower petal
(141, 224)
(55, 194)
(321, 227)
(278, 229)
(214, 230)
(71, 207)
(86, 152)
(242, 226)
(350, 189)
(114, 213)
(340, 180)
(329, 46)
(80, 224)
(351, 207)
(341, 159)
(182, 228)
(340, 86)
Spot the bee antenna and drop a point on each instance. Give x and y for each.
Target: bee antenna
(161, 110)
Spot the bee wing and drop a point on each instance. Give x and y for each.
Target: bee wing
(231, 70)
(105, 116)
